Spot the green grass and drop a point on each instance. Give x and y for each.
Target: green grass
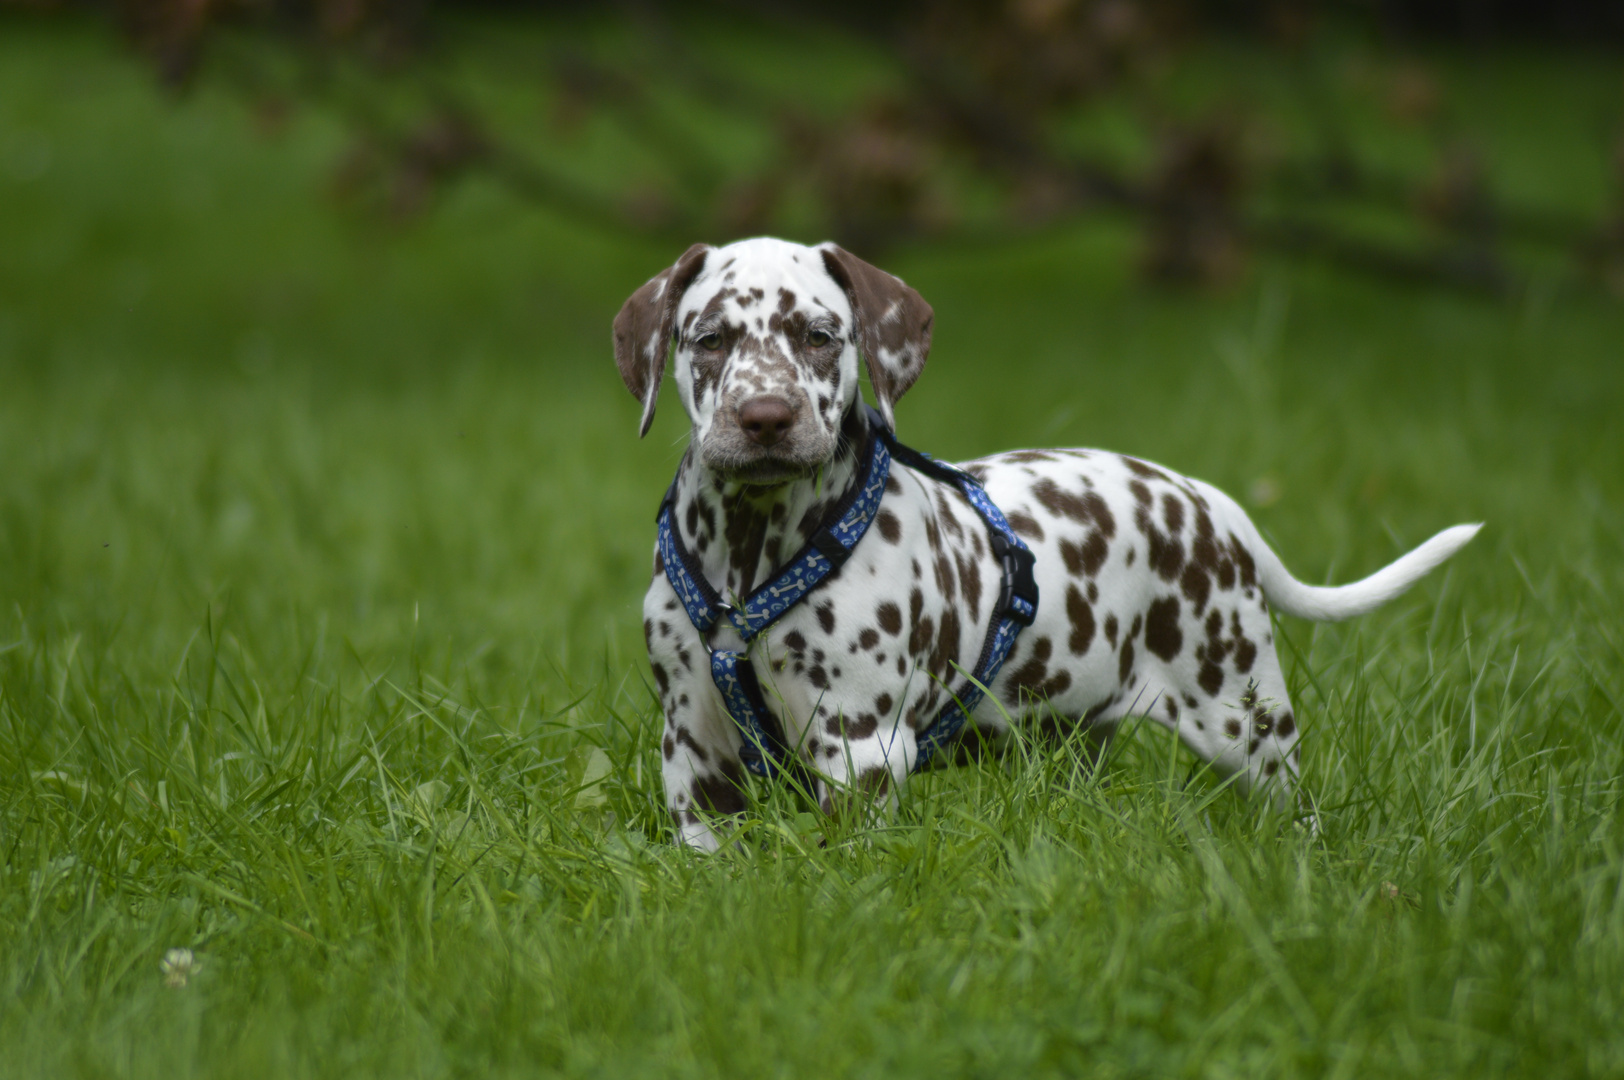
(321, 547)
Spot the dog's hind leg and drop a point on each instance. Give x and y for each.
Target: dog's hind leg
(1248, 731)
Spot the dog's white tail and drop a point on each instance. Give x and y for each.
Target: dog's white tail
(1326, 604)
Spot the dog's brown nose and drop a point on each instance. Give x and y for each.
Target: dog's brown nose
(766, 419)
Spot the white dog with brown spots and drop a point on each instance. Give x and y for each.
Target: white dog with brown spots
(1154, 587)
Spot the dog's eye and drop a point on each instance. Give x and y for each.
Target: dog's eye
(711, 341)
(817, 339)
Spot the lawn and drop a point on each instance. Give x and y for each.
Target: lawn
(322, 547)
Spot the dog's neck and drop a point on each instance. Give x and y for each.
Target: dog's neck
(740, 534)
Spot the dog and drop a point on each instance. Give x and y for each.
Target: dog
(1154, 589)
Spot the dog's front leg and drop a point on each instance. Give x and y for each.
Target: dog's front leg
(864, 770)
(704, 778)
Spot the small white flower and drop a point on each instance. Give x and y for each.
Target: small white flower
(178, 965)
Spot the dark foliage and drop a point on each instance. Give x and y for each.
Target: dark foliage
(984, 86)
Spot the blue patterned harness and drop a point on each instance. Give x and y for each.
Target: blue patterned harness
(765, 751)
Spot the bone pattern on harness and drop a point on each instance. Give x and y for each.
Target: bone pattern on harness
(765, 751)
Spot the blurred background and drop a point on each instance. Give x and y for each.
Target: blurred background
(1414, 141)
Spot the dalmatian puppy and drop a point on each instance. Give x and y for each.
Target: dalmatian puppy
(1154, 588)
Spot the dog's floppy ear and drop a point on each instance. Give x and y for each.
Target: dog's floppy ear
(643, 329)
(893, 324)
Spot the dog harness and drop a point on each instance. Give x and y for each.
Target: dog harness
(765, 750)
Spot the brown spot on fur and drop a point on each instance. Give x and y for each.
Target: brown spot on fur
(889, 617)
(970, 583)
(1173, 513)
(1166, 553)
(890, 527)
(1245, 651)
(1033, 678)
(1243, 559)
(1211, 678)
(882, 704)
(1232, 728)
(1111, 631)
(812, 518)
(1025, 524)
(1284, 727)
(869, 638)
(1245, 654)
(860, 728)
(945, 581)
(947, 644)
(826, 617)
(1084, 509)
(1125, 666)
(720, 793)
(1082, 621)
(686, 738)
(1162, 634)
(1204, 553)
(923, 635)
(950, 520)
(1087, 557)
(795, 641)
(1143, 469)
(876, 780)
(1196, 584)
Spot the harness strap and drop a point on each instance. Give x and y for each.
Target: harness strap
(766, 752)
(1016, 609)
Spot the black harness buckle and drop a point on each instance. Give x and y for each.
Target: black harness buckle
(1019, 581)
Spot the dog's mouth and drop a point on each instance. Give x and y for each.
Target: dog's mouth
(765, 472)
(737, 461)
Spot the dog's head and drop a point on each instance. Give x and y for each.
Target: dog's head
(768, 336)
